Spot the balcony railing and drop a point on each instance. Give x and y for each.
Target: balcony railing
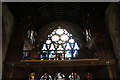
(46, 55)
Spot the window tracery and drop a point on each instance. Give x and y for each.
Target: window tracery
(74, 76)
(60, 45)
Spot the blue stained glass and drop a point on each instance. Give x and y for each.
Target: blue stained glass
(50, 54)
(68, 47)
(76, 46)
(68, 54)
(72, 45)
(75, 53)
(61, 41)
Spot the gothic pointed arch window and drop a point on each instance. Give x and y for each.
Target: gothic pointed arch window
(74, 76)
(31, 35)
(46, 76)
(60, 45)
(59, 76)
(29, 43)
(32, 76)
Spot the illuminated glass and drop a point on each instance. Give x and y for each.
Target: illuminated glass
(60, 76)
(60, 48)
(70, 34)
(76, 46)
(48, 46)
(59, 51)
(46, 76)
(75, 53)
(71, 41)
(60, 42)
(51, 54)
(49, 35)
(44, 47)
(53, 32)
(68, 54)
(31, 36)
(64, 37)
(68, 47)
(32, 76)
(52, 47)
(59, 31)
(55, 38)
(74, 76)
(65, 31)
(88, 35)
(48, 41)
(61, 45)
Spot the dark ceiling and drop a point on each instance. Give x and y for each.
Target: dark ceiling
(46, 12)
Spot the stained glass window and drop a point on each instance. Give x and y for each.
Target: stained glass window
(60, 45)
(74, 76)
(31, 36)
(46, 76)
(32, 76)
(59, 76)
(88, 35)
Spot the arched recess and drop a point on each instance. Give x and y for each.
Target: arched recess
(75, 30)
(78, 34)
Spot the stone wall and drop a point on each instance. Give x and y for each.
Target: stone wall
(7, 29)
(113, 25)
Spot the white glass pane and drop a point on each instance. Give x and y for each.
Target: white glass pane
(66, 32)
(55, 38)
(60, 47)
(48, 46)
(52, 47)
(59, 31)
(53, 32)
(75, 53)
(71, 41)
(68, 47)
(76, 46)
(64, 37)
(48, 41)
(64, 45)
(70, 34)
(44, 47)
(60, 42)
(56, 46)
(49, 35)
(59, 51)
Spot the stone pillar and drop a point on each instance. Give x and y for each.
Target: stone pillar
(113, 26)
